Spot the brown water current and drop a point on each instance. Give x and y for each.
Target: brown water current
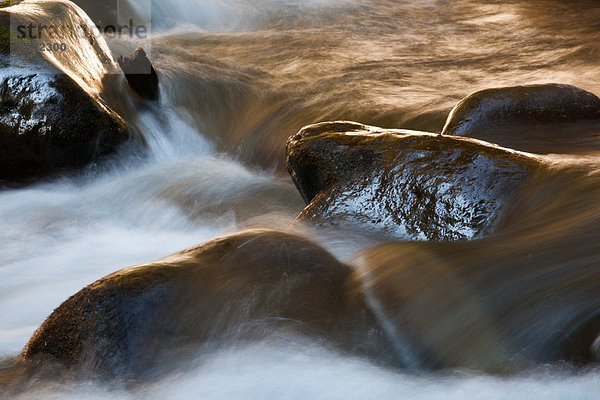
(389, 64)
(512, 313)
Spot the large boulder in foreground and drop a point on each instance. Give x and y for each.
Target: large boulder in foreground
(537, 118)
(409, 185)
(51, 120)
(242, 287)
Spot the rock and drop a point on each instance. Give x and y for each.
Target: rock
(140, 74)
(236, 288)
(503, 305)
(539, 118)
(48, 122)
(409, 185)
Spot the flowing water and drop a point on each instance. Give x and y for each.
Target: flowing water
(237, 77)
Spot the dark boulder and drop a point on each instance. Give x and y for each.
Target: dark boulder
(410, 185)
(140, 74)
(538, 118)
(237, 288)
(48, 122)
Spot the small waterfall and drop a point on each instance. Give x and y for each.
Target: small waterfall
(240, 77)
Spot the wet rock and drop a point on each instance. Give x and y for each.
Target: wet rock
(140, 74)
(409, 185)
(48, 122)
(248, 286)
(538, 118)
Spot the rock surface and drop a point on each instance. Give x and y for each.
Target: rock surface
(140, 74)
(48, 122)
(410, 185)
(237, 288)
(538, 118)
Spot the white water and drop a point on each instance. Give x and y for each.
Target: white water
(60, 236)
(271, 372)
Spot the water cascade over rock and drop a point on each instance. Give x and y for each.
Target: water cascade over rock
(490, 304)
(424, 265)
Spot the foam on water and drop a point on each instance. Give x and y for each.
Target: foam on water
(376, 67)
(60, 236)
(272, 372)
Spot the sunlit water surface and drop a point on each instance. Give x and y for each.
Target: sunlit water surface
(237, 78)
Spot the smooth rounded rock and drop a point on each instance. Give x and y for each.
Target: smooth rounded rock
(50, 120)
(537, 118)
(408, 185)
(247, 286)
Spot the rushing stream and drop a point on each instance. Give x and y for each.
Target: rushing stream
(237, 78)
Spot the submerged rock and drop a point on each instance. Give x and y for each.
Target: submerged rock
(410, 185)
(501, 305)
(538, 118)
(247, 286)
(140, 74)
(50, 118)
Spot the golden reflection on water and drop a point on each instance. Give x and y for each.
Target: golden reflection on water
(383, 63)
